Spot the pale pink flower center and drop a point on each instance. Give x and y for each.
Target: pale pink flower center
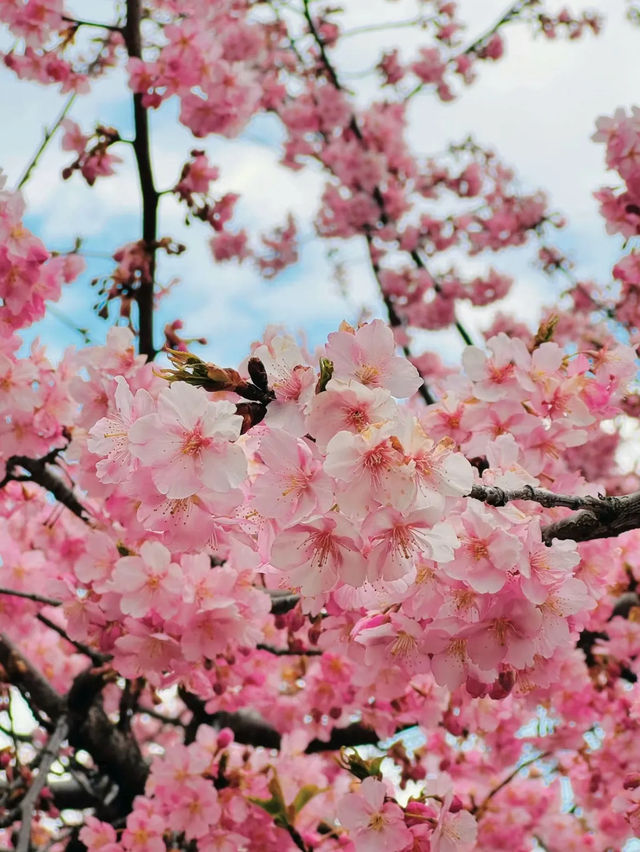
(478, 549)
(538, 562)
(377, 822)
(288, 387)
(501, 628)
(367, 374)
(403, 645)
(403, 540)
(296, 482)
(500, 374)
(377, 460)
(424, 574)
(357, 417)
(323, 546)
(464, 599)
(194, 442)
(458, 648)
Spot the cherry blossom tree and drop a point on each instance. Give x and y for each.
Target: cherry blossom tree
(354, 598)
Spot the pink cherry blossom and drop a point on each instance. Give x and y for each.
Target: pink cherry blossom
(368, 356)
(316, 554)
(149, 581)
(374, 825)
(188, 443)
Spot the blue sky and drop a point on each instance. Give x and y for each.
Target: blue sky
(536, 108)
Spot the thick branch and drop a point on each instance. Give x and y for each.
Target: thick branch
(29, 681)
(618, 515)
(69, 794)
(494, 496)
(601, 517)
(144, 295)
(282, 602)
(250, 728)
(42, 472)
(353, 735)
(115, 753)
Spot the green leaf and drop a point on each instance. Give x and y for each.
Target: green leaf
(304, 795)
(358, 766)
(275, 805)
(326, 371)
(271, 806)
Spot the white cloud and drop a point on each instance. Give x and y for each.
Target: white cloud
(536, 107)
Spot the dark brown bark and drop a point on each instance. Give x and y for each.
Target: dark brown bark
(150, 196)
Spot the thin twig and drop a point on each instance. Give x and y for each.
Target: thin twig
(96, 657)
(78, 22)
(31, 596)
(321, 46)
(48, 135)
(509, 15)
(479, 809)
(49, 755)
(464, 334)
(58, 314)
(390, 25)
(289, 652)
(394, 318)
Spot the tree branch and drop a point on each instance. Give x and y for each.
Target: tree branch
(495, 496)
(29, 681)
(48, 755)
(479, 809)
(78, 22)
(394, 319)
(41, 472)
(116, 753)
(282, 602)
(30, 596)
(144, 294)
(48, 135)
(607, 519)
(250, 728)
(600, 517)
(289, 652)
(509, 15)
(96, 658)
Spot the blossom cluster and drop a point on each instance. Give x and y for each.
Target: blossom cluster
(244, 569)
